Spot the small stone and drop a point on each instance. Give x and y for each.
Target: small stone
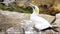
(58, 16)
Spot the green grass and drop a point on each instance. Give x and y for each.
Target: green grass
(18, 9)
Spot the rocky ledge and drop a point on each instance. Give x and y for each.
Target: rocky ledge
(9, 19)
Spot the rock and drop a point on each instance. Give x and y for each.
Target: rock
(21, 3)
(14, 30)
(9, 19)
(38, 2)
(50, 32)
(58, 16)
(57, 21)
(56, 5)
(1, 32)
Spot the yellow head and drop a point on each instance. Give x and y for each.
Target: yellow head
(35, 9)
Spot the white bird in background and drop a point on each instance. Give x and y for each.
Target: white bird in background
(40, 23)
(6, 2)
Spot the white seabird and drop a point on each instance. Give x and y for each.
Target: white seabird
(40, 23)
(6, 2)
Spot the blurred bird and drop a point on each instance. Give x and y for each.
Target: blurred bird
(6, 2)
(40, 23)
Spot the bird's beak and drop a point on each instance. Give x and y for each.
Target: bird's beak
(31, 5)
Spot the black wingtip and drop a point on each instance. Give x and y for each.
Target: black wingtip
(49, 28)
(55, 30)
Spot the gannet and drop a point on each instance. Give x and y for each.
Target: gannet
(40, 23)
(6, 2)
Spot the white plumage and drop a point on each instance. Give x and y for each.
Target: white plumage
(6, 2)
(40, 23)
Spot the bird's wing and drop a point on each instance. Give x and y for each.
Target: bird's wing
(40, 23)
(37, 18)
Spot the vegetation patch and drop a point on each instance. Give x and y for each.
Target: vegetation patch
(18, 9)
